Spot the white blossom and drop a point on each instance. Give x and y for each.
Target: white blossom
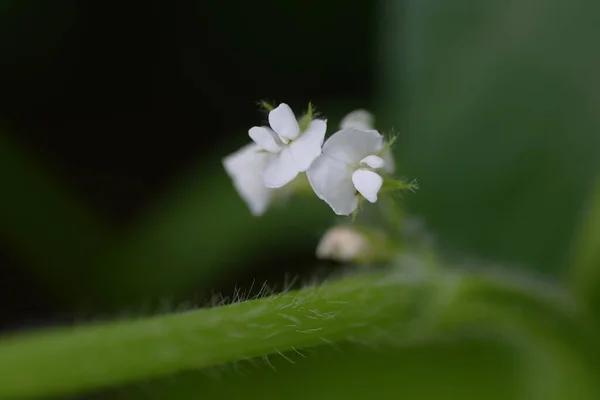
(348, 168)
(292, 151)
(245, 168)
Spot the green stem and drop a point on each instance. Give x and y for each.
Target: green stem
(66, 361)
(395, 305)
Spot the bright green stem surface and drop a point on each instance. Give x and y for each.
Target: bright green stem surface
(87, 357)
(398, 305)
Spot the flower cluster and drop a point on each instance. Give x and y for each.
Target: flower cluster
(351, 165)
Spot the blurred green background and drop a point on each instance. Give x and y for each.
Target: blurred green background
(115, 118)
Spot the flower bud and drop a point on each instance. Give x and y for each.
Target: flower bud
(350, 244)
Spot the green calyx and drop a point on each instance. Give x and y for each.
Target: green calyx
(388, 145)
(307, 118)
(393, 185)
(266, 106)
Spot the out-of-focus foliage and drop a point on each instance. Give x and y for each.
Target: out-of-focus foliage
(45, 223)
(498, 113)
(584, 270)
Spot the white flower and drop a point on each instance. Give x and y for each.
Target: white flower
(245, 167)
(359, 119)
(347, 167)
(364, 120)
(292, 151)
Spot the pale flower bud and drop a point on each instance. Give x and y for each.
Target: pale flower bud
(344, 244)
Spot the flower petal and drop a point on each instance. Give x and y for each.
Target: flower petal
(332, 182)
(307, 146)
(283, 121)
(245, 168)
(359, 119)
(264, 137)
(351, 145)
(367, 183)
(373, 161)
(390, 163)
(280, 170)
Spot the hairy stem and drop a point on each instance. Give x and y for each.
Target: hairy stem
(70, 360)
(401, 303)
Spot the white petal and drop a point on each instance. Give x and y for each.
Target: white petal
(280, 170)
(373, 161)
(283, 121)
(390, 163)
(352, 145)
(245, 168)
(359, 119)
(307, 146)
(367, 183)
(264, 137)
(332, 182)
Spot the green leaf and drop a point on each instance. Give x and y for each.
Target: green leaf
(497, 117)
(585, 263)
(557, 340)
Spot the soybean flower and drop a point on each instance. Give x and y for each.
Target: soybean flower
(353, 164)
(292, 150)
(348, 168)
(245, 168)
